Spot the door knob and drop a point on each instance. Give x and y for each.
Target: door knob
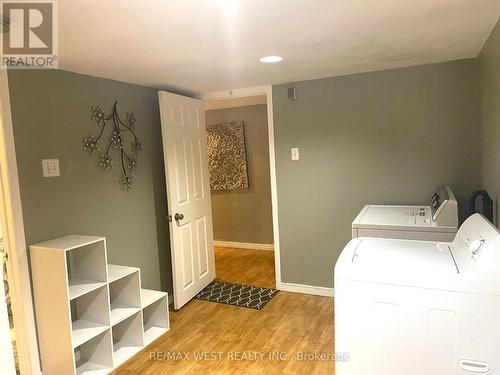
(178, 217)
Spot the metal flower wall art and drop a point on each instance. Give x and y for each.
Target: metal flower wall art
(120, 138)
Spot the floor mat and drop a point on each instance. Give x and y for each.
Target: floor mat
(237, 295)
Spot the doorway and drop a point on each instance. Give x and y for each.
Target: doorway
(239, 167)
(188, 196)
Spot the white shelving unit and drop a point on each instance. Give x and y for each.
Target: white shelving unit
(91, 316)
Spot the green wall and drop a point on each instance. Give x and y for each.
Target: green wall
(383, 137)
(489, 91)
(51, 115)
(245, 215)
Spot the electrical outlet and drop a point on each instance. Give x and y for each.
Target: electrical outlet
(295, 154)
(50, 167)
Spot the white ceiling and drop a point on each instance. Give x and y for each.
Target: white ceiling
(199, 46)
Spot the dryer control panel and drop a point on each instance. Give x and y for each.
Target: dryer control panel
(444, 207)
(419, 216)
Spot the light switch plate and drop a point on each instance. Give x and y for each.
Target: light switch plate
(50, 167)
(295, 153)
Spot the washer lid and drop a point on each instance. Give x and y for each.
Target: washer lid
(399, 262)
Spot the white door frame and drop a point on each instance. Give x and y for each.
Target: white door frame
(14, 241)
(255, 91)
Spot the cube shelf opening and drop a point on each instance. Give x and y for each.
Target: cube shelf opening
(86, 268)
(89, 316)
(125, 297)
(127, 338)
(155, 320)
(95, 357)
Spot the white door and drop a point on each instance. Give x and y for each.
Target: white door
(6, 353)
(188, 195)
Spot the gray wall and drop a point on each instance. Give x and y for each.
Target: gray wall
(383, 137)
(51, 115)
(489, 92)
(245, 215)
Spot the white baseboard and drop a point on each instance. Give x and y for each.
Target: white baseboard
(307, 289)
(245, 245)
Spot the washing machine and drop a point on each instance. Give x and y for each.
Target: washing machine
(420, 307)
(437, 222)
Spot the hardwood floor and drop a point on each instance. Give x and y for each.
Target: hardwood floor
(239, 340)
(241, 266)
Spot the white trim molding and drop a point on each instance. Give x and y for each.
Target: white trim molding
(236, 93)
(245, 245)
(213, 104)
(11, 219)
(307, 289)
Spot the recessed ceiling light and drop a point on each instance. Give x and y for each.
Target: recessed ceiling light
(271, 59)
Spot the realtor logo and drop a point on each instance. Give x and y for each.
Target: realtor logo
(29, 39)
